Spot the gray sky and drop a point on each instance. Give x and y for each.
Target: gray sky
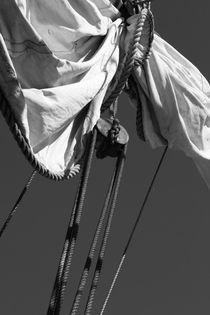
(167, 270)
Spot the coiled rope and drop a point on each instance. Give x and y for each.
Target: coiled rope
(133, 231)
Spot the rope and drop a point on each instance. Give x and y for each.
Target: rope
(112, 285)
(100, 260)
(134, 94)
(23, 143)
(17, 203)
(91, 254)
(57, 284)
(71, 236)
(121, 78)
(130, 61)
(133, 231)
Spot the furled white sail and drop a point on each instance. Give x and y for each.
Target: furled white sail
(58, 57)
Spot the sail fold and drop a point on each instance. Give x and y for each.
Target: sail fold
(57, 60)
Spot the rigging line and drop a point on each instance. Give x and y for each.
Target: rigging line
(75, 228)
(133, 231)
(60, 284)
(69, 245)
(68, 238)
(99, 264)
(91, 253)
(57, 283)
(62, 261)
(17, 203)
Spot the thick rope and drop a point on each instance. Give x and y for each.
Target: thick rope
(17, 203)
(139, 120)
(130, 61)
(133, 231)
(71, 237)
(122, 77)
(100, 260)
(58, 280)
(91, 254)
(24, 145)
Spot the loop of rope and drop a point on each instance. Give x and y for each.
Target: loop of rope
(17, 203)
(24, 145)
(71, 236)
(133, 231)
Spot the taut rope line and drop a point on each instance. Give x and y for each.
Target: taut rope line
(119, 82)
(133, 230)
(108, 207)
(17, 203)
(71, 236)
(101, 255)
(121, 77)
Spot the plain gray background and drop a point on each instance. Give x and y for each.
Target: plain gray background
(167, 270)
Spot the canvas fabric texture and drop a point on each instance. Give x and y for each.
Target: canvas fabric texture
(175, 100)
(58, 58)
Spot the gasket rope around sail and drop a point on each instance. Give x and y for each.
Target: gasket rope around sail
(57, 64)
(51, 98)
(52, 87)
